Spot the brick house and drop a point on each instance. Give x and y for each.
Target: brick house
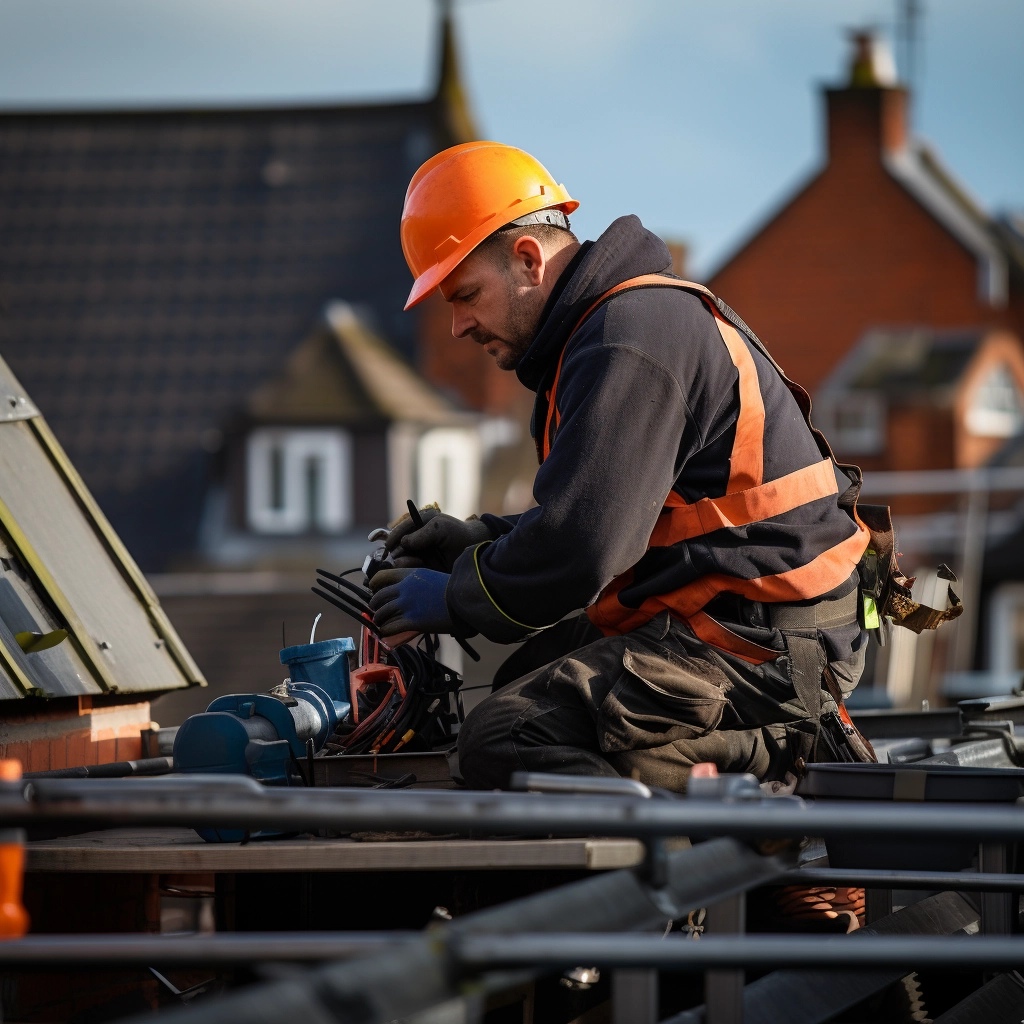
(920, 398)
(885, 289)
(881, 235)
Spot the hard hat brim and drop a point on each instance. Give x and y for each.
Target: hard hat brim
(431, 278)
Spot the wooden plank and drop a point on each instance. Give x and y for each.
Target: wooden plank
(180, 851)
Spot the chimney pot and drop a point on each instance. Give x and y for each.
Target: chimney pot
(871, 62)
(867, 117)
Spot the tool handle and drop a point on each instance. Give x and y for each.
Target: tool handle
(433, 561)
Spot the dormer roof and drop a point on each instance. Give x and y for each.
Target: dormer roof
(917, 365)
(344, 373)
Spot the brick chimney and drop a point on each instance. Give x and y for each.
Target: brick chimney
(869, 115)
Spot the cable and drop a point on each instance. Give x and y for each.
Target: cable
(348, 609)
(362, 592)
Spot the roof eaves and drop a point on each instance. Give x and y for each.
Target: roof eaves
(950, 206)
(1011, 236)
(907, 364)
(399, 393)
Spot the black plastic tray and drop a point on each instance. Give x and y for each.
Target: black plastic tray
(933, 782)
(942, 782)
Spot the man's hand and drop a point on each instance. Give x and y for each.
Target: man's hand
(435, 545)
(410, 600)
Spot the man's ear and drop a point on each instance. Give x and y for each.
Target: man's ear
(528, 257)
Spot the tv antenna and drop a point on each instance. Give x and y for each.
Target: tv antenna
(910, 15)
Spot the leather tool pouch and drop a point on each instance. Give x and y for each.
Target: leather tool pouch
(885, 589)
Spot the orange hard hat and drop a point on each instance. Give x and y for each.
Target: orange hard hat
(462, 195)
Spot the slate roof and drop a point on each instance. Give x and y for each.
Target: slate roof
(157, 266)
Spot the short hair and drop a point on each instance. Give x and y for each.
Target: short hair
(498, 246)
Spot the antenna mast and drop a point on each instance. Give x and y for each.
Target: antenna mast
(908, 33)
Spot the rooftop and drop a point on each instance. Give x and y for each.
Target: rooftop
(158, 267)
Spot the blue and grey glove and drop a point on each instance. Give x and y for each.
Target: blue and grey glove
(410, 601)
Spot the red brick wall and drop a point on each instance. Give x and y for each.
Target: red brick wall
(70, 732)
(853, 250)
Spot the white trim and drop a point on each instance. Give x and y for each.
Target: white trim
(448, 470)
(401, 448)
(993, 273)
(327, 452)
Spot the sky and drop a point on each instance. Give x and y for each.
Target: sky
(701, 117)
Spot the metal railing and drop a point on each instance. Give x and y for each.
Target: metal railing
(373, 978)
(213, 801)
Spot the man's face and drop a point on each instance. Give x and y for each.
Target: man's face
(497, 303)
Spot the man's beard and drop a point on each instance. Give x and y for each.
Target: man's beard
(518, 333)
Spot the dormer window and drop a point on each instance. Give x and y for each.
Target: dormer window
(853, 422)
(448, 470)
(997, 408)
(299, 481)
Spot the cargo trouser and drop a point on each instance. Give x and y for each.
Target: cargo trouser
(648, 705)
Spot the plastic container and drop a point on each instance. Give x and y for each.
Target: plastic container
(325, 664)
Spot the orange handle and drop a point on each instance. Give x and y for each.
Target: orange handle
(13, 915)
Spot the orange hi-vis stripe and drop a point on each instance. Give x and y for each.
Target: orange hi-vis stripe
(681, 521)
(747, 500)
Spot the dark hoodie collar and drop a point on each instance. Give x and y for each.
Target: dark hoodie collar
(626, 249)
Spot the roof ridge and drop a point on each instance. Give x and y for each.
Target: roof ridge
(397, 389)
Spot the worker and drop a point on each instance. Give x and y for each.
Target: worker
(687, 513)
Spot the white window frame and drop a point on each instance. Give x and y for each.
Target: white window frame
(984, 420)
(294, 449)
(448, 470)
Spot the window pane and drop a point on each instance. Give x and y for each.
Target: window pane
(997, 408)
(314, 513)
(299, 480)
(276, 477)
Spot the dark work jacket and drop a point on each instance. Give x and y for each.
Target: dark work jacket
(648, 399)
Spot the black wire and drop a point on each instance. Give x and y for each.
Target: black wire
(356, 602)
(361, 591)
(349, 610)
(425, 678)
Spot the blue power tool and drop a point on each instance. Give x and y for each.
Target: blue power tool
(266, 735)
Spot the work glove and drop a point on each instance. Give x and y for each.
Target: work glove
(410, 601)
(435, 545)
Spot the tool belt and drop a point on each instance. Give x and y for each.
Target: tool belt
(836, 737)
